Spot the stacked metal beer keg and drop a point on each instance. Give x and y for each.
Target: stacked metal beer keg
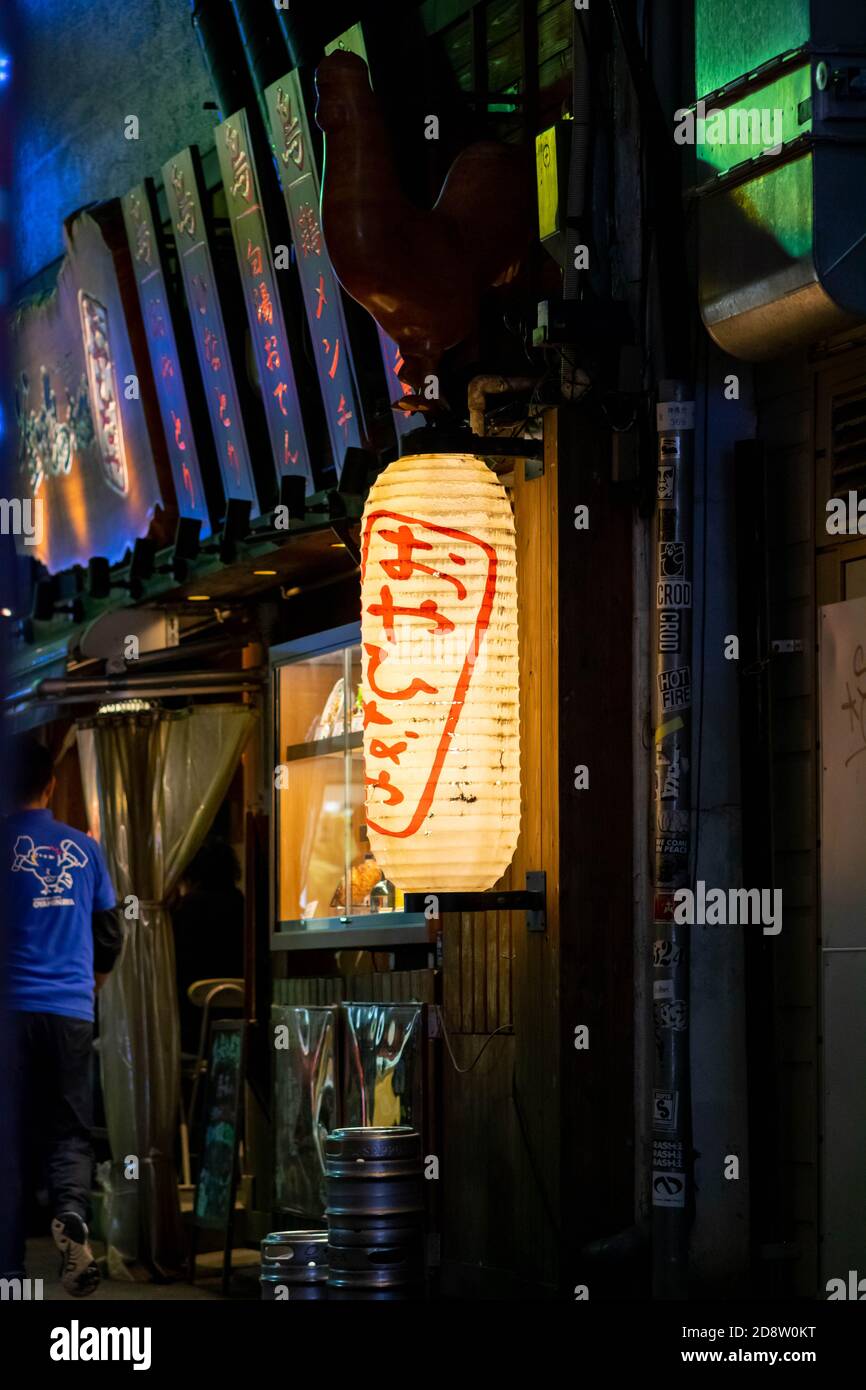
(294, 1266)
(375, 1213)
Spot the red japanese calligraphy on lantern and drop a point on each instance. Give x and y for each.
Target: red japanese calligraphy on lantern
(428, 595)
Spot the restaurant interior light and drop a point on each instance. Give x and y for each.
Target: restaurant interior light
(127, 707)
(440, 674)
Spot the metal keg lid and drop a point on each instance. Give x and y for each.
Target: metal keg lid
(346, 1133)
(290, 1249)
(372, 1142)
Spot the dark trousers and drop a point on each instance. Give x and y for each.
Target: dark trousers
(53, 1098)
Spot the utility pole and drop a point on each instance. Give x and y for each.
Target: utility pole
(672, 697)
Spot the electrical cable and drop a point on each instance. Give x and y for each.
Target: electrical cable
(518, 1109)
(463, 1071)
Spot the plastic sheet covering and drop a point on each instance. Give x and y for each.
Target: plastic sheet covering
(383, 1066)
(159, 779)
(305, 1105)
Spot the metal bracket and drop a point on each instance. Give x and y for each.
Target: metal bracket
(536, 885)
(532, 899)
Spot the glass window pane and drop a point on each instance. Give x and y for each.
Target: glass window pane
(311, 839)
(325, 865)
(310, 700)
(310, 795)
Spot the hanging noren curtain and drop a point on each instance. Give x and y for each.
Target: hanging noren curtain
(155, 782)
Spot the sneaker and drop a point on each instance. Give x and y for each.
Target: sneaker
(79, 1272)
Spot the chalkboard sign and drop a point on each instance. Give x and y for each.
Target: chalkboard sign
(218, 1164)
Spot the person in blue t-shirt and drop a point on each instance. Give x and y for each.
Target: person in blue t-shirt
(64, 933)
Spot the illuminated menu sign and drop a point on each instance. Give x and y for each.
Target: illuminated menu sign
(264, 312)
(138, 216)
(211, 344)
(86, 476)
(290, 132)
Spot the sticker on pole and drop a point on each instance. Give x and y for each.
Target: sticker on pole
(669, 1189)
(666, 481)
(672, 560)
(675, 415)
(675, 689)
(665, 1106)
(674, 593)
(667, 1153)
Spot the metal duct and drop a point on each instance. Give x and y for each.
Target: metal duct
(781, 181)
(72, 690)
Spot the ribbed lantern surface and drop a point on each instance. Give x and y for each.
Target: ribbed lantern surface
(440, 674)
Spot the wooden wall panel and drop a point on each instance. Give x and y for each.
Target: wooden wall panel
(597, 939)
(500, 1170)
(377, 986)
(477, 970)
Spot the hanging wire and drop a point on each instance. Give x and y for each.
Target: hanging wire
(503, 1028)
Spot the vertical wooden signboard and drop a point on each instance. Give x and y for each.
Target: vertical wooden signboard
(264, 312)
(290, 133)
(183, 194)
(141, 229)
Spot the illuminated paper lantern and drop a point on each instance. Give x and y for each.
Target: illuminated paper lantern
(440, 674)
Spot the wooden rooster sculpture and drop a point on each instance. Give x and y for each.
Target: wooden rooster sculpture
(420, 274)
